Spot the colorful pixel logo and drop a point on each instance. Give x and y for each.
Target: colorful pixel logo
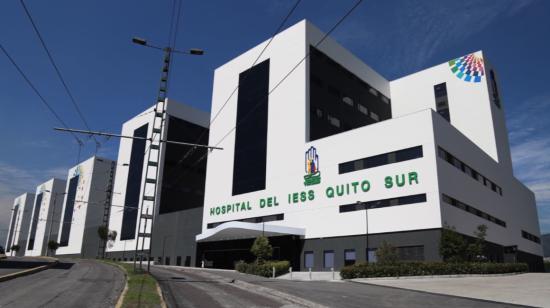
(313, 175)
(469, 68)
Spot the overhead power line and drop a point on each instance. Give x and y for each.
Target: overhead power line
(42, 99)
(58, 72)
(263, 100)
(279, 28)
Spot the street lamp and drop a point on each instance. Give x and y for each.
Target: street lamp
(51, 217)
(359, 203)
(192, 51)
(163, 90)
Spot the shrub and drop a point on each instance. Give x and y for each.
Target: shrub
(547, 266)
(386, 254)
(263, 269)
(15, 248)
(53, 245)
(103, 232)
(452, 246)
(365, 270)
(261, 249)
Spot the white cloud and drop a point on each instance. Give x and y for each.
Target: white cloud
(416, 30)
(15, 181)
(531, 151)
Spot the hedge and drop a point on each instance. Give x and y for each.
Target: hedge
(264, 269)
(547, 266)
(364, 270)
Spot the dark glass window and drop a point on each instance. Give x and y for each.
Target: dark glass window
(183, 178)
(12, 227)
(442, 101)
(308, 259)
(411, 253)
(448, 157)
(250, 156)
(328, 259)
(348, 102)
(530, 237)
(258, 219)
(358, 206)
(69, 210)
(34, 222)
(472, 210)
(494, 88)
(349, 257)
(133, 186)
(381, 159)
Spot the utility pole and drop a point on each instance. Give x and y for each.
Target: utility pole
(148, 202)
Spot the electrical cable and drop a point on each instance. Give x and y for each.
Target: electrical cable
(264, 99)
(58, 72)
(42, 99)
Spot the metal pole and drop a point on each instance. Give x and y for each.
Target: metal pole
(367, 232)
(51, 221)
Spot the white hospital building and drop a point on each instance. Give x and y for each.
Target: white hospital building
(335, 159)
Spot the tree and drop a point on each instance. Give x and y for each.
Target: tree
(103, 232)
(386, 254)
(53, 245)
(112, 235)
(475, 249)
(261, 249)
(452, 246)
(15, 248)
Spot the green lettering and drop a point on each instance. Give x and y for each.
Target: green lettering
(340, 190)
(310, 195)
(388, 182)
(248, 205)
(365, 186)
(218, 210)
(295, 197)
(275, 202)
(303, 196)
(330, 192)
(354, 184)
(212, 211)
(262, 203)
(398, 182)
(413, 176)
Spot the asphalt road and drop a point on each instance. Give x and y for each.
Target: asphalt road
(331, 294)
(71, 283)
(189, 288)
(17, 264)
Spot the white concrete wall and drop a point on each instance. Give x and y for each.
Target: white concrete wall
(516, 206)
(173, 108)
(287, 143)
(89, 201)
(52, 190)
(22, 222)
(471, 109)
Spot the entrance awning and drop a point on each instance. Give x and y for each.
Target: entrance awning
(234, 230)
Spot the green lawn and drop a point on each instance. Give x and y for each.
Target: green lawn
(142, 288)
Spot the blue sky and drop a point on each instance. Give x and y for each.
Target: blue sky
(113, 80)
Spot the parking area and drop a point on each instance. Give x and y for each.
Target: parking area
(531, 289)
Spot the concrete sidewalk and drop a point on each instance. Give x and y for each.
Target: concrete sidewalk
(532, 289)
(313, 276)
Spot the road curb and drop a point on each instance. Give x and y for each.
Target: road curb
(120, 299)
(159, 291)
(28, 271)
(260, 290)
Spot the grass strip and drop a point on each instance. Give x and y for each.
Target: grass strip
(142, 288)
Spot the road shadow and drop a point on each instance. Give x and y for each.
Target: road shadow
(21, 264)
(63, 265)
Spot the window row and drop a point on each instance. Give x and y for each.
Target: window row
(358, 206)
(336, 122)
(472, 210)
(448, 157)
(529, 236)
(258, 219)
(405, 253)
(381, 159)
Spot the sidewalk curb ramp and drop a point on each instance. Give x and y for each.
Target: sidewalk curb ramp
(28, 271)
